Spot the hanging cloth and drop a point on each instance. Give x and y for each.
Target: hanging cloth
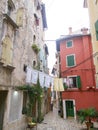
(61, 87)
(34, 77)
(41, 79)
(47, 81)
(56, 85)
(28, 74)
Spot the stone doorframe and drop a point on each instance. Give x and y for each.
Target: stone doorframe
(64, 108)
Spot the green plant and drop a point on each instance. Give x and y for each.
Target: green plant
(35, 93)
(35, 48)
(86, 115)
(39, 97)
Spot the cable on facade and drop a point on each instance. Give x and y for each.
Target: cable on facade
(93, 55)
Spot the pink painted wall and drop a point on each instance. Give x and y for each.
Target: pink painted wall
(82, 48)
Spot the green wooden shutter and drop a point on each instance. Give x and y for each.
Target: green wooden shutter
(65, 86)
(69, 43)
(78, 81)
(70, 60)
(96, 29)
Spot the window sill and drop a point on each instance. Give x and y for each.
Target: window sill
(71, 66)
(1, 63)
(72, 89)
(10, 20)
(9, 66)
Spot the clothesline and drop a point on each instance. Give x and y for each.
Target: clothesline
(46, 80)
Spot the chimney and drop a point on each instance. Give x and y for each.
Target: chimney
(70, 30)
(84, 30)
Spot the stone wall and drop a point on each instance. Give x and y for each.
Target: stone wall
(19, 33)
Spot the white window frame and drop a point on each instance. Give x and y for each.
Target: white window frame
(67, 42)
(76, 82)
(74, 60)
(64, 108)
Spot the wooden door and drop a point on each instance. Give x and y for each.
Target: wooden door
(69, 109)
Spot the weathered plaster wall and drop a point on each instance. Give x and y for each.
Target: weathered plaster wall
(20, 40)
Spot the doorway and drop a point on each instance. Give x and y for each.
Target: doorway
(3, 95)
(69, 109)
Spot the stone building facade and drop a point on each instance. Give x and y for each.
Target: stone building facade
(22, 24)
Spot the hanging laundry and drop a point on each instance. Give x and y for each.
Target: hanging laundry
(47, 81)
(71, 82)
(51, 80)
(41, 79)
(56, 85)
(34, 77)
(64, 80)
(28, 74)
(61, 87)
(52, 83)
(67, 81)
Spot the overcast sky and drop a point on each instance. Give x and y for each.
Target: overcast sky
(62, 14)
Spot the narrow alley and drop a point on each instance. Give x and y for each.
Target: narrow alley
(53, 121)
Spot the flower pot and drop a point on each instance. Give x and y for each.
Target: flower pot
(89, 125)
(29, 119)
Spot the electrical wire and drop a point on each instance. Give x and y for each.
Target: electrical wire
(93, 55)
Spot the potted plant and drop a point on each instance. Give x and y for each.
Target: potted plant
(27, 110)
(86, 115)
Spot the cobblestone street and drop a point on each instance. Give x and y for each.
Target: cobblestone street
(52, 121)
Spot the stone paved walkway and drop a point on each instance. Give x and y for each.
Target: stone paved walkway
(52, 121)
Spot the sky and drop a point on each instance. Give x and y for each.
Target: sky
(62, 14)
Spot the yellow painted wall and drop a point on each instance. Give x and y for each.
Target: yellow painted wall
(7, 48)
(19, 19)
(93, 15)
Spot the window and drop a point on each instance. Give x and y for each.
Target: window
(73, 82)
(69, 44)
(34, 64)
(96, 29)
(10, 7)
(70, 60)
(36, 20)
(34, 38)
